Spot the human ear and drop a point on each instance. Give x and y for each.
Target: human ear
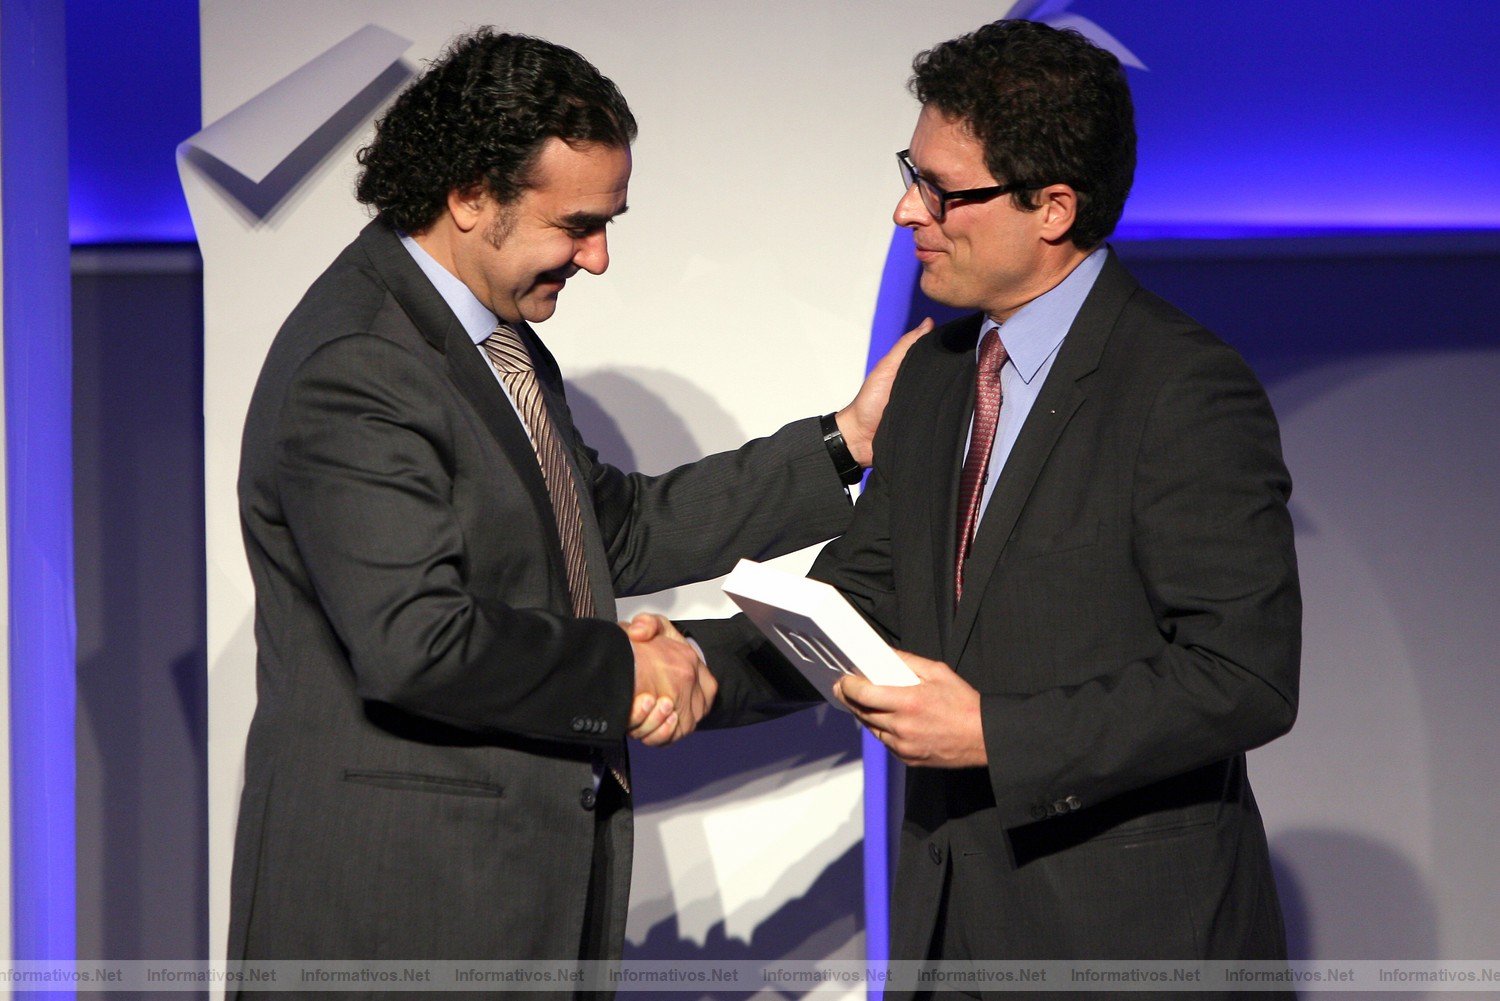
(1059, 210)
(466, 207)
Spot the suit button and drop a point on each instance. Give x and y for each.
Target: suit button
(1061, 806)
(1073, 803)
(1038, 812)
(603, 726)
(587, 798)
(578, 724)
(935, 853)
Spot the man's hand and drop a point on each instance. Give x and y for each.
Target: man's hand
(859, 420)
(935, 724)
(674, 688)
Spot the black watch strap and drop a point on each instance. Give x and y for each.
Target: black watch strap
(849, 470)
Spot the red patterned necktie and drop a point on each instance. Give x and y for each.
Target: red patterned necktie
(981, 442)
(513, 364)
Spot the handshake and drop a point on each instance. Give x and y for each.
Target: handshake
(673, 687)
(937, 723)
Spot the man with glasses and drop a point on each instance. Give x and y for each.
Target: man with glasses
(1077, 525)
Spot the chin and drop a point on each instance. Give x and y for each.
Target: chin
(935, 290)
(538, 310)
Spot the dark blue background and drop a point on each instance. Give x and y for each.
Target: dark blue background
(1256, 117)
(133, 95)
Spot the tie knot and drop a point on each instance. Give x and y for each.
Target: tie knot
(506, 351)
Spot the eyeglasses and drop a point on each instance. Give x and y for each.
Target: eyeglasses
(936, 199)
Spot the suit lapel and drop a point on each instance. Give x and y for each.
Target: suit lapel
(1055, 406)
(1050, 413)
(466, 367)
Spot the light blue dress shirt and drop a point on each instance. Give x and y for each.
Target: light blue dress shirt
(1032, 337)
(475, 317)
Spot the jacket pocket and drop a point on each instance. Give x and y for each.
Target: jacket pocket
(1024, 546)
(413, 782)
(1151, 833)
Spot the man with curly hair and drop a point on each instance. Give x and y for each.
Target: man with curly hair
(1077, 525)
(436, 767)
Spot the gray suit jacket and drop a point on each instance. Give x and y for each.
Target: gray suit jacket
(418, 779)
(1131, 618)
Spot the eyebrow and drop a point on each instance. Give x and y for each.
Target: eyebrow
(936, 177)
(590, 220)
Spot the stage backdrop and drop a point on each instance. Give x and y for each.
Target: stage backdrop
(758, 231)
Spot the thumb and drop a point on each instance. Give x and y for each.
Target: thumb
(643, 628)
(848, 688)
(913, 335)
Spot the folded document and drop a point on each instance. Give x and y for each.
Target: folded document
(814, 627)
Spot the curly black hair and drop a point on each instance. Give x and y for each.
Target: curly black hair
(480, 115)
(1049, 107)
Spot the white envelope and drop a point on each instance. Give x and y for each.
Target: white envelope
(814, 627)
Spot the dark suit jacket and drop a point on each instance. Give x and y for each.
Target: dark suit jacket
(419, 778)
(1131, 617)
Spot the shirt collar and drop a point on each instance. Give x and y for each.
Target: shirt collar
(1034, 331)
(478, 322)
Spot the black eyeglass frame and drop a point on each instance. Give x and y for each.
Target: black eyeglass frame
(911, 175)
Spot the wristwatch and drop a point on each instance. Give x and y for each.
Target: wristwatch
(849, 470)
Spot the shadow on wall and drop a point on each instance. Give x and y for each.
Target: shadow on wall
(812, 924)
(1346, 896)
(138, 532)
(646, 419)
(649, 420)
(1398, 484)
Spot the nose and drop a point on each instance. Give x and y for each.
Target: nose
(910, 210)
(592, 253)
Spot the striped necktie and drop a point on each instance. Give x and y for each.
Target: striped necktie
(513, 364)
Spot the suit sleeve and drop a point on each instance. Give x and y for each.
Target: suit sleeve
(756, 682)
(771, 496)
(1212, 544)
(365, 477)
